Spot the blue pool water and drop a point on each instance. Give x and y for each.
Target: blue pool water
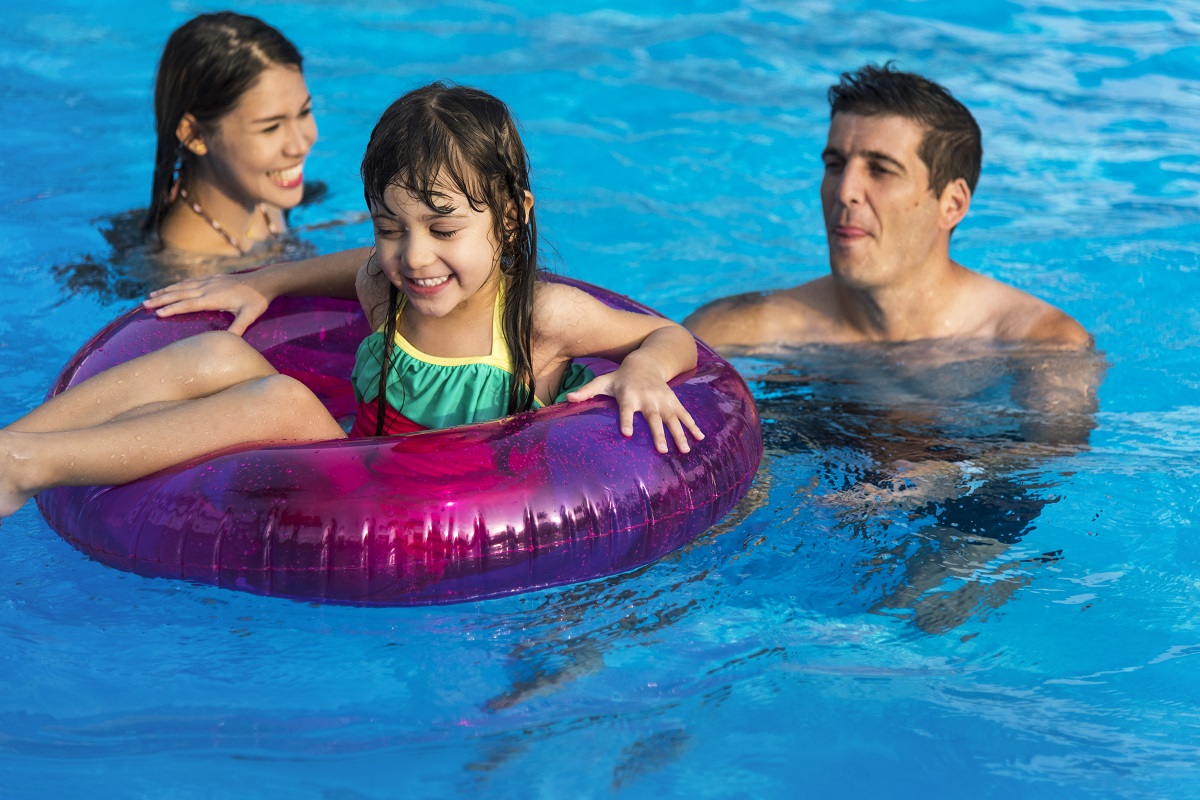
(816, 644)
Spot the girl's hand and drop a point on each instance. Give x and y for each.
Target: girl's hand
(641, 388)
(233, 293)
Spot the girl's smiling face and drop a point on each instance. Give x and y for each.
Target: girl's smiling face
(445, 260)
(257, 152)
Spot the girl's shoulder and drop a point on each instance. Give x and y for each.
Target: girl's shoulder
(545, 291)
(557, 306)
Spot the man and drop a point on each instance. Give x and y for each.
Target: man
(899, 403)
(901, 164)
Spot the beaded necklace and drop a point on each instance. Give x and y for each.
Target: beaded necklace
(196, 207)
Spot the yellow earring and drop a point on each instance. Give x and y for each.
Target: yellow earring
(199, 148)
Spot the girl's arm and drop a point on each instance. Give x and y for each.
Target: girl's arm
(247, 294)
(650, 350)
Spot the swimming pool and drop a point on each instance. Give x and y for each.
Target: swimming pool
(813, 645)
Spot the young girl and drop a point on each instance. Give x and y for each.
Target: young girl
(234, 125)
(465, 330)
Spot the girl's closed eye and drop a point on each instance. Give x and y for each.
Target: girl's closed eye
(444, 233)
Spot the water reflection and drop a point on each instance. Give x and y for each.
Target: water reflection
(935, 459)
(135, 266)
(904, 481)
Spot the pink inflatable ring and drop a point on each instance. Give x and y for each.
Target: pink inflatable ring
(540, 499)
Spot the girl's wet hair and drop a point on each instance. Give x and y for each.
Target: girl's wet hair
(445, 137)
(207, 64)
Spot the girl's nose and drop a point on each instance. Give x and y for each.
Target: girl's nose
(417, 252)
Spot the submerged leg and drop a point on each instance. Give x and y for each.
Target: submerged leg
(190, 368)
(274, 408)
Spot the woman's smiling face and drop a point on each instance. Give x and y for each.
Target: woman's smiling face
(257, 152)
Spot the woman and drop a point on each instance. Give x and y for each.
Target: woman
(234, 125)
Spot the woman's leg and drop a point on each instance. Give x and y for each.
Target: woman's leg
(198, 366)
(274, 408)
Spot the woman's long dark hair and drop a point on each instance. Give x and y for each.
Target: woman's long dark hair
(206, 66)
(443, 135)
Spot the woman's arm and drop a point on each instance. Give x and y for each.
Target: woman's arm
(247, 294)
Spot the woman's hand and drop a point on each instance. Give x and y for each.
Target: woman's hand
(235, 293)
(639, 386)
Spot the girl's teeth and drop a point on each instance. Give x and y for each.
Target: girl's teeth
(427, 283)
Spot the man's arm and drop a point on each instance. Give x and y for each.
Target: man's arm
(1057, 372)
(1057, 391)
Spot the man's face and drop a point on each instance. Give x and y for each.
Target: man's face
(881, 217)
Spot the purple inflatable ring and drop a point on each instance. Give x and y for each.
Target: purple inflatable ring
(545, 498)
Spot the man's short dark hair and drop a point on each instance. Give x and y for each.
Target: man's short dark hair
(951, 147)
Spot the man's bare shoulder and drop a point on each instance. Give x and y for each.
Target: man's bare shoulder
(1056, 327)
(755, 320)
(1015, 315)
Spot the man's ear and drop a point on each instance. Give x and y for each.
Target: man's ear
(188, 134)
(954, 203)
